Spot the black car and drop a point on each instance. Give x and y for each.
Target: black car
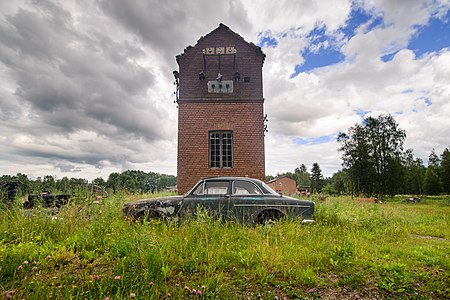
(231, 198)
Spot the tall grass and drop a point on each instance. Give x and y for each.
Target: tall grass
(90, 251)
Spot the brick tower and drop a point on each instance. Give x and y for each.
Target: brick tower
(220, 109)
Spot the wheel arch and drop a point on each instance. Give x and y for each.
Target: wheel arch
(270, 214)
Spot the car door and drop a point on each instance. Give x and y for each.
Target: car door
(246, 200)
(212, 196)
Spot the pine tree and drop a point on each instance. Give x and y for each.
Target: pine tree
(317, 180)
(432, 184)
(445, 170)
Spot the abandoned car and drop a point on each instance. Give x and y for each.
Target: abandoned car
(230, 198)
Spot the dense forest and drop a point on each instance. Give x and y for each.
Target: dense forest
(373, 160)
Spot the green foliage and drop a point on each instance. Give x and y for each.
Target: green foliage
(301, 176)
(317, 180)
(328, 189)
(139, 181)
(414, 173)
(371, 152)
(341, 183)
(445, 170)
(432, 182)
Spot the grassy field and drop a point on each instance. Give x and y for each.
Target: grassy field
(393, 250)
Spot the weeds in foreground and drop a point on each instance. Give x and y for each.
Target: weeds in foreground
(90, 251)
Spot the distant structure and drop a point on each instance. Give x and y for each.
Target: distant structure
(284, 185)
(221, 121)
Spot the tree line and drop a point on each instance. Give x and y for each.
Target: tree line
(132, 181)
(375, 164)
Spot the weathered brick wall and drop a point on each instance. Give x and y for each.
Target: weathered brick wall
(201, 112)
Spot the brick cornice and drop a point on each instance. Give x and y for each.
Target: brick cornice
(221, 100)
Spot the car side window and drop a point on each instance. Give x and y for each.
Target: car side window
(241, 187)
(212, 188)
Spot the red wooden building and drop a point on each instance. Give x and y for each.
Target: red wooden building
(284, 185)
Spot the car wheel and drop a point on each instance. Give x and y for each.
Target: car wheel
(270, 217)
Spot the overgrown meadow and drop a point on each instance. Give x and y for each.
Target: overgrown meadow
(88, 250)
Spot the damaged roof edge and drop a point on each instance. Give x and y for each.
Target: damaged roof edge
(223, 26)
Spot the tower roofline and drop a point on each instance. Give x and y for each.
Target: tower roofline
(223, 27)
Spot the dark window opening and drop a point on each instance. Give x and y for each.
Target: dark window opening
(221, 149)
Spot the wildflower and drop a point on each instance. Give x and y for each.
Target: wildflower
(186, 288)
(19, 268)
(259, 295)
(199, 292)
(276, 297)
(9, 294)
(177, 285)
(117, 277)
(194, 291)
(203, 287)
(25, 263)
(34, 269)
(375, 289)
(96, 277)
(151, 283)
(106, 298)
(168, 295)
(311, 291)
(132, 295)
(49, 257)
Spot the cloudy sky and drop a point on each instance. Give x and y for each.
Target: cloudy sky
(86, 86)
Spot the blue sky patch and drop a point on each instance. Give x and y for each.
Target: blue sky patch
(361, 113)
(378, 21)
(315, 141)
(432, 37)
(357, 17)
(324, 49)
(317, 60)
(323, 52)
(389, 56)
(267, 40)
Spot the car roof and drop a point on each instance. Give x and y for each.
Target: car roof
(230, 178)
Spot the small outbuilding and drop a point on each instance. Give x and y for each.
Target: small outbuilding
(284, 185)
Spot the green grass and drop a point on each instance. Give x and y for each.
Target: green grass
(393, 250)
